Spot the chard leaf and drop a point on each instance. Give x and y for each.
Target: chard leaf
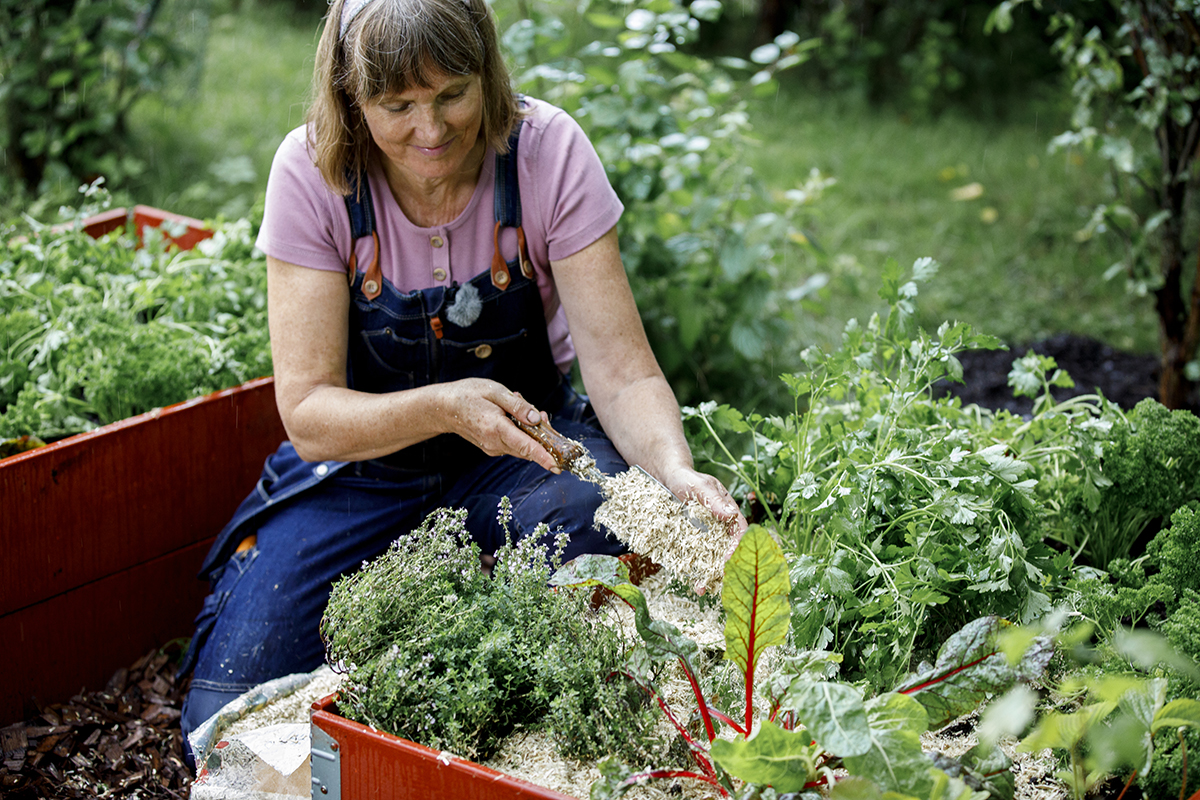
(663, 640)
(755, 597)
(774, 757)
(833, 713)
(970, 668)
(895, 760)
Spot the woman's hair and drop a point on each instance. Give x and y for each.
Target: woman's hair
(389, 47)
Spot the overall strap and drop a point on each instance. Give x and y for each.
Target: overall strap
(362, 223)
(507, 207)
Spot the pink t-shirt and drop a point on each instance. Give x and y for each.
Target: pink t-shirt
(567, 204)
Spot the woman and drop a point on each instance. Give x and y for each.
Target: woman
(429, 238)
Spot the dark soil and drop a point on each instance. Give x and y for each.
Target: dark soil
(1124, 378)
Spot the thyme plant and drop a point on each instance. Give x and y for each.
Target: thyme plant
(440, 653)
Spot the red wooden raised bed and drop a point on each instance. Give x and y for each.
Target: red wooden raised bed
(102, 533)
(351, 761)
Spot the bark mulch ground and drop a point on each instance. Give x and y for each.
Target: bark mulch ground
(120, 742)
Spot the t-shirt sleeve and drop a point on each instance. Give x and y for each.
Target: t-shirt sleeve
(576, 203)
(300, 220)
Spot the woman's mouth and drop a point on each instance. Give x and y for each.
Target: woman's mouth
(434, 152)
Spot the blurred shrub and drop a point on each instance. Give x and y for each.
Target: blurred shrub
(70, 70)
(702, 238)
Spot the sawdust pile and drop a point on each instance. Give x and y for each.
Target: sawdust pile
(532, 756)
(1034, 773)
(643, 514)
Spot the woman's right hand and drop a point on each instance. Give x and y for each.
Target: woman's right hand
(482, 411)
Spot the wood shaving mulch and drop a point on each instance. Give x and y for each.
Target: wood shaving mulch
(123, 741)
(644, 515)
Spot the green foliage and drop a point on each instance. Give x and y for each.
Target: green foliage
(1150, 462)
(905, 514)
(69, 74)
(1115, 725)
(923, 56)
(94, 331)
(440, 653)
(701, 238)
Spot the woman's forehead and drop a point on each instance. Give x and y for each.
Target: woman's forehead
(433, 83)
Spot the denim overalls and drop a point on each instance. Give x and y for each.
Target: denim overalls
(317, 521)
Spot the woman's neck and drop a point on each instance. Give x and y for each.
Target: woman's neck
(429, 202)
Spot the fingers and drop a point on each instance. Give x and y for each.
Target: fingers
(523, 410)
(712, 493)
(482, 417)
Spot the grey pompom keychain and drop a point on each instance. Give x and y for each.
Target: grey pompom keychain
(467, 306)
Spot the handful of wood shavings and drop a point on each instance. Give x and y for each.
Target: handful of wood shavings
(652, 522)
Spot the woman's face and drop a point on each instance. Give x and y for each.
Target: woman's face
(430, 133)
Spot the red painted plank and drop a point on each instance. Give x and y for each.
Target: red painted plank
(78, 639)
(379, 766)
(95, 504)
(143, 217)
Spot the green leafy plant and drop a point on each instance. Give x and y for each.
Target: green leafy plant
(702, 238)
(876, 739)
(1150, 466)
(439, 652)
(1117, 727)
(93, 331)
(923, 56)
(906, 514)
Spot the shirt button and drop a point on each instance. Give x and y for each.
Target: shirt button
(437, 241)
(483, 351)
(439, 274)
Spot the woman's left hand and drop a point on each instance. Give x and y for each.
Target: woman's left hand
(689, 484)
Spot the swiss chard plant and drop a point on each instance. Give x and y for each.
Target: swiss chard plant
(792, 738)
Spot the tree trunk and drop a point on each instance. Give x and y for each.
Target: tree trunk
(1177, 318)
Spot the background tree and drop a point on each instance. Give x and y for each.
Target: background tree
(70, 70)
(1136, 88)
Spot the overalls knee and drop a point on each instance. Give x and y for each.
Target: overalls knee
(317, 521)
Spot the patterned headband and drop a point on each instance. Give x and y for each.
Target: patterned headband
(349, 11)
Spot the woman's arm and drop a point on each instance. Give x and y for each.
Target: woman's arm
(308, 312)
(627, 388)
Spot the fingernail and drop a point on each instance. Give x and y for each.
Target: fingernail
(533, 416)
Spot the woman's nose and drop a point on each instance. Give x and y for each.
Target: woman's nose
(431, 124)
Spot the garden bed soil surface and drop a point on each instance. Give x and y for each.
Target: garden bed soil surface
(123, 741)
(1124, 378)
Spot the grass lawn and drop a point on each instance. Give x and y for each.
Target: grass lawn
(1011, 263)
(209, 146)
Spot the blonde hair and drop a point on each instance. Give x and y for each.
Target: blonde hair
(389, 47)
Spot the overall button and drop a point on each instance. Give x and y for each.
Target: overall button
(370, 287)
(437, 241)
(439, 274)
(483, 351)
(321, 470)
